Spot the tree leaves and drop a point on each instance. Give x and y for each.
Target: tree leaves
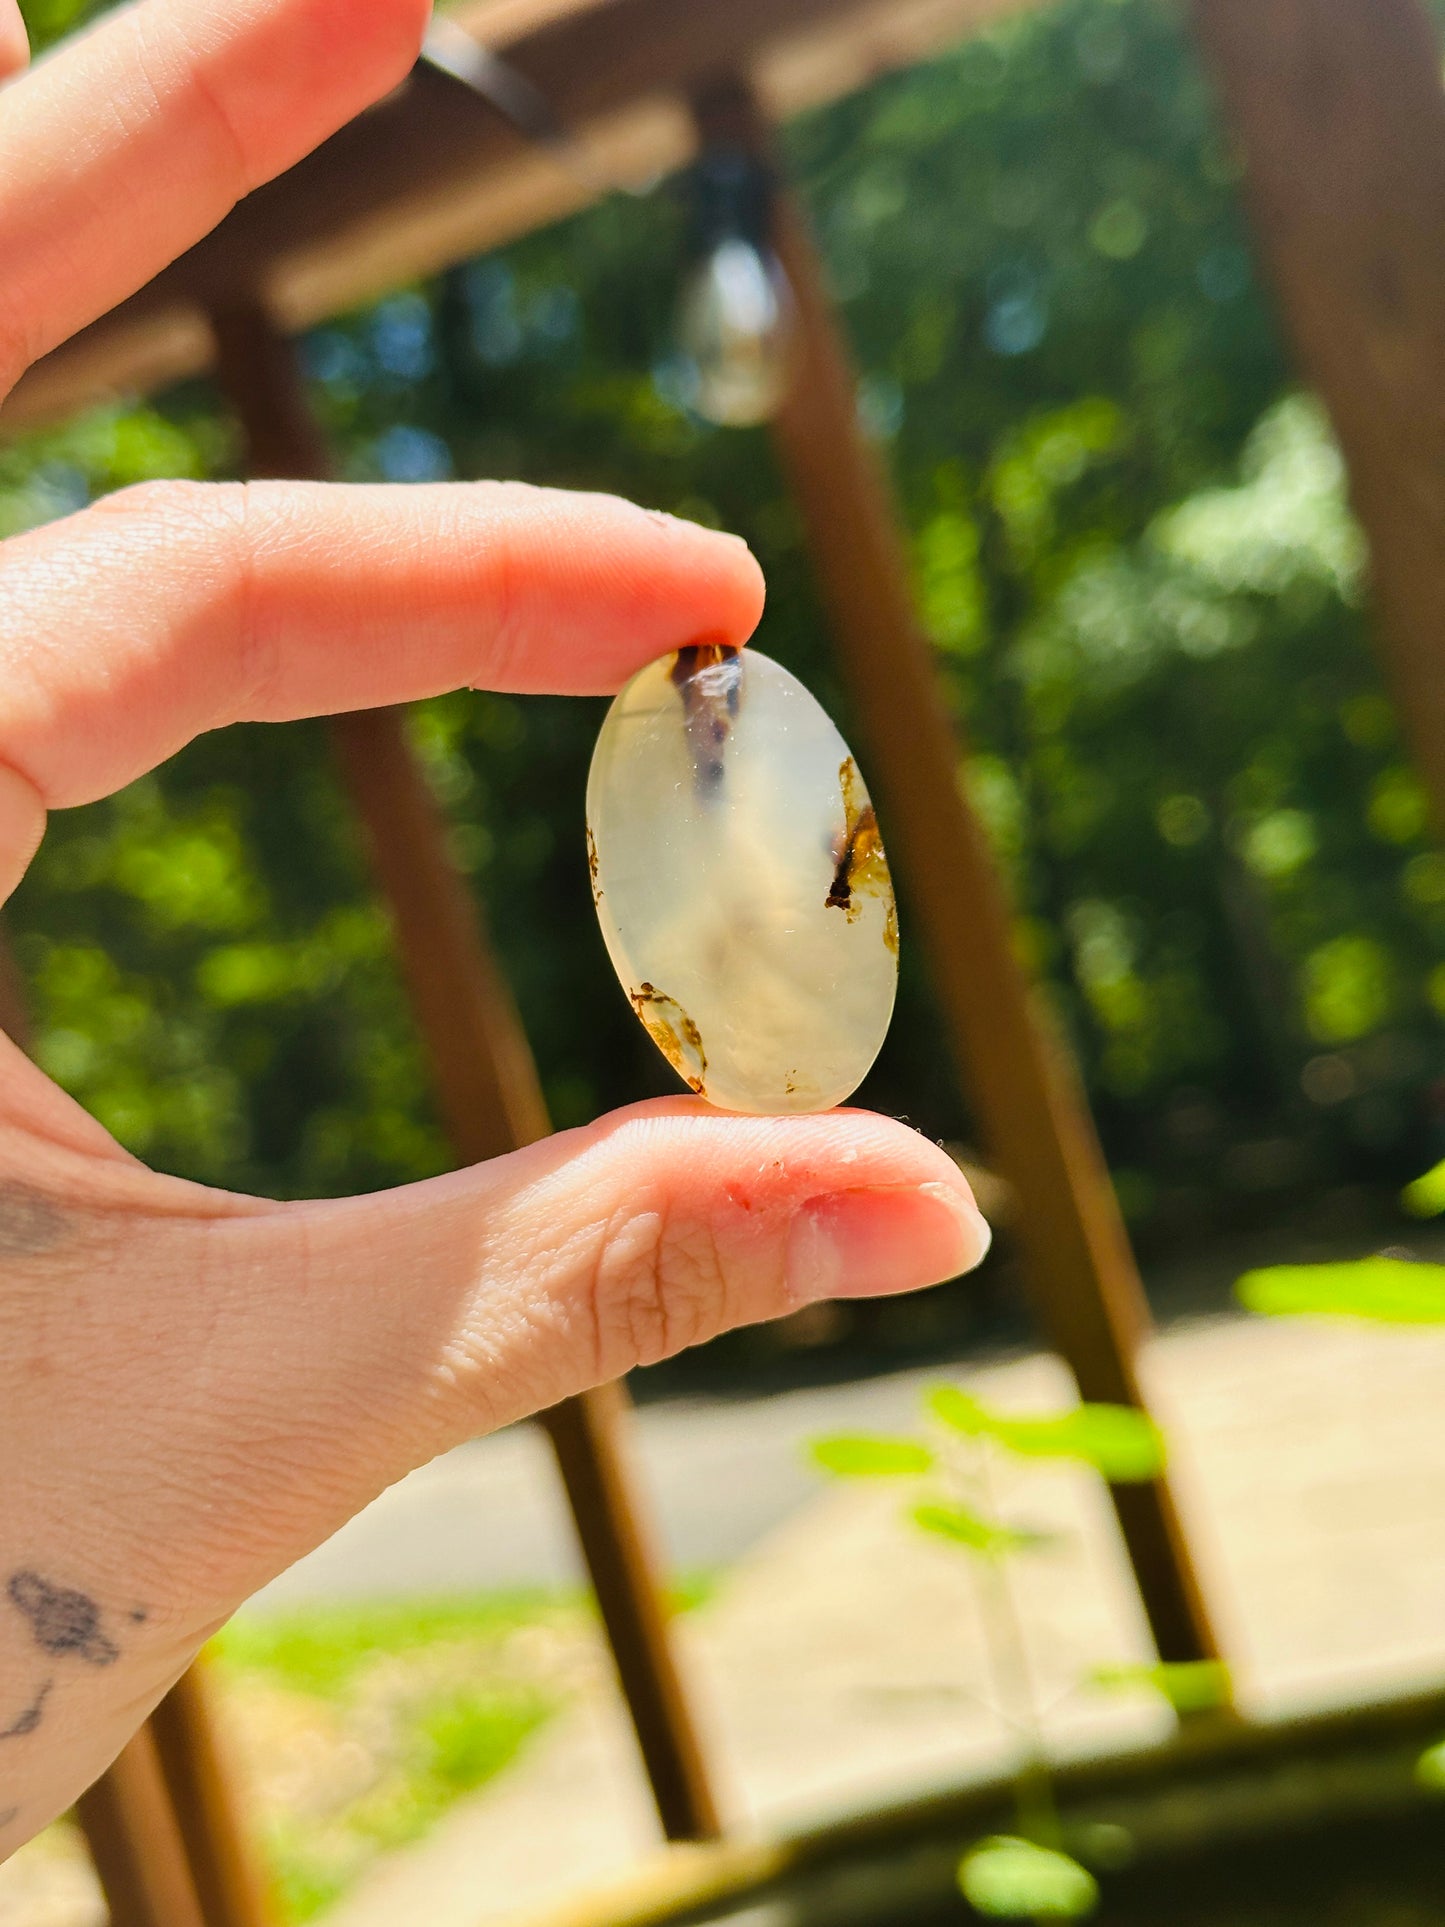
(1121, 1443)
(1388, 1291)
(1190, 1686)
(862, 1455)
(1012, 1879)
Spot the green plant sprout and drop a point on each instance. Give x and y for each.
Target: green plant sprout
(1028, 1875)
(1386, 1291)
(1425, 1197)
(1381, 1290)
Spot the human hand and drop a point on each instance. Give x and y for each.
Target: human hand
(197, 1387)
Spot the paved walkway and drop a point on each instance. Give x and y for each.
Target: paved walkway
(720, 1473)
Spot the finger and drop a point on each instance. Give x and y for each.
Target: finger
(14, 42)
(22, 825)
(118, 152)
(347, 1341)
(570, 1262)
(175, 608)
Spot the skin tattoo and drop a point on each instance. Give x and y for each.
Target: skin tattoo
(62, 1622)
(30, 1718)
(65, 1624)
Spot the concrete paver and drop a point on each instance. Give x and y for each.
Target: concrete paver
(719, 1472)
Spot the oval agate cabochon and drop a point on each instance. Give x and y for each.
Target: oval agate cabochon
(740, 881)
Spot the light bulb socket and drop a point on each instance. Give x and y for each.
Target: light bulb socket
(730, 193)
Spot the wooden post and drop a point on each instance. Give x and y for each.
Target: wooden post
(14, 1018)
(135, 1842)
(1339, 112)
(228, 1880)
(1026, 1097)
(490, 1098)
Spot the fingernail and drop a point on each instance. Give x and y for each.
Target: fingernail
(868, 1243)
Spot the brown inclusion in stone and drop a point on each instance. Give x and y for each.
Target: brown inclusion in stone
(860, 866)
(708, 676)
(673, 1032)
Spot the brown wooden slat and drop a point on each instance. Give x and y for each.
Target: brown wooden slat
(592, 1439)
(491, 1101)
(223, 1860)
(1026, 1097)
(1339, 112)
(140, 1859)
(432, 175)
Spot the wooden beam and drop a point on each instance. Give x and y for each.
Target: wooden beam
(1339, 114)
(140, 1859)
(491, 1101)
(1022, 1086)
(431, 175)
(224, 1866)
(592, 1438)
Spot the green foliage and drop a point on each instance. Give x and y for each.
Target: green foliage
(421, 1692)
(1013, 1877)
(49, 20)
(321, 1649)
(1430, 1767)
(52, 473)
(1007, 1878)
(855, 1455)
(1122, 1444)
(1390, 1291)
(1190, 1686)
(460, 1739)
(1424, 1196)
(963, 1527)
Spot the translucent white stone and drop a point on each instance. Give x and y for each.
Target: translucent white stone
(740, 881)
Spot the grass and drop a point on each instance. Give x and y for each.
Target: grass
(356, 1727)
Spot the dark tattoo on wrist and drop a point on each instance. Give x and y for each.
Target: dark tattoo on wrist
(62, 1622)
(29, 1221)
(30, 1718)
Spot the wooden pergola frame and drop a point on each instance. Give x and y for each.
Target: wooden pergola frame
(1338, 108)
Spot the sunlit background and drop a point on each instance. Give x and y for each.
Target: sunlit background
(1133, 555)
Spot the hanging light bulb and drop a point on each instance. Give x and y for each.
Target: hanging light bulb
(735, 311)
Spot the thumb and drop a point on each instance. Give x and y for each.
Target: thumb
(568, 1263)
(196, 1388)
(410, 1320)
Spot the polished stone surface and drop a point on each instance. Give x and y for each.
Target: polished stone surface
(741, 883)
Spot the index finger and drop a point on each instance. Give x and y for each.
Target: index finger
(178, 607)
(14, 43)
(119, 151)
